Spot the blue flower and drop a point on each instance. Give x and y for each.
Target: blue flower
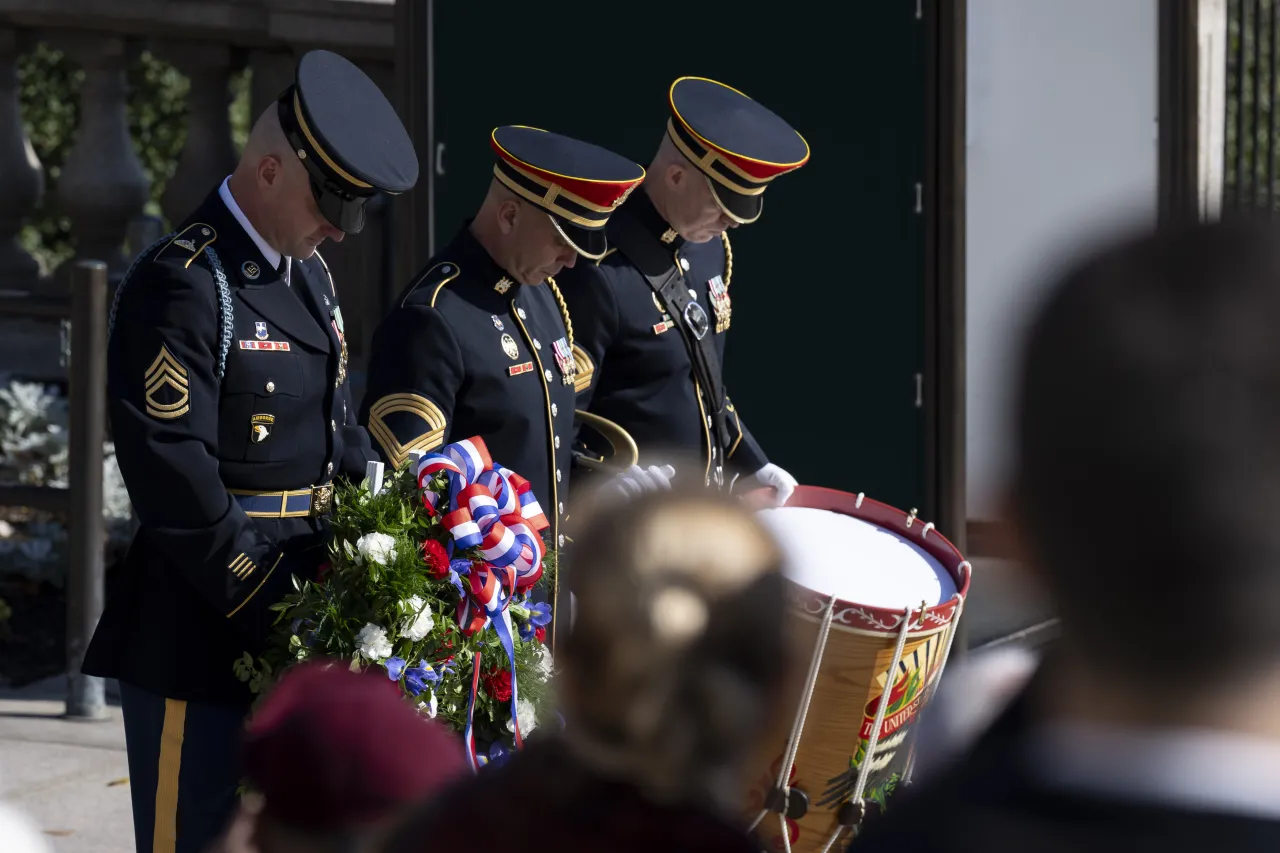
(498, 753)
(457, 570)
(417, 679)
(540, 613)
(395, 667)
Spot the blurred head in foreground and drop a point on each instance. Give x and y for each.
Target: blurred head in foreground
(670, 676)
(675, 664)
(1148, 474)
(335, 755)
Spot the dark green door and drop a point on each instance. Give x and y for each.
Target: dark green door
(828, 286)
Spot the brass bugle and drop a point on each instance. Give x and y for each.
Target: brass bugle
(623, 449)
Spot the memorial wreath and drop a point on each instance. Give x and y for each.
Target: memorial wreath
(432, 580)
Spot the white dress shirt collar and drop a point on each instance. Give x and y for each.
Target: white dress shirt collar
(271, 255)
(1197, 769)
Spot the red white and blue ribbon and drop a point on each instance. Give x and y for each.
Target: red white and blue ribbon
(494, 509)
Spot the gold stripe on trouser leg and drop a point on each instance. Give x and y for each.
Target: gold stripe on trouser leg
(165, 837)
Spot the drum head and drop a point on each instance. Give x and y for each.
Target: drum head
(873, 560)
(854, 560)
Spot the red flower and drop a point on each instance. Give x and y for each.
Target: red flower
(540, 633)
(437, 559)
(497, 683)
(322, 571)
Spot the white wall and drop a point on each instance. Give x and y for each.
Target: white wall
(1062, 143)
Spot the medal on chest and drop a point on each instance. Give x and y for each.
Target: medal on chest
(720, 304)
(564, 360)
(335, 319)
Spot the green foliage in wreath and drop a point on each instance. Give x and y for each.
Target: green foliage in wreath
(388, 601)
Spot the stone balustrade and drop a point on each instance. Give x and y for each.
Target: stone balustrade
(103, 188)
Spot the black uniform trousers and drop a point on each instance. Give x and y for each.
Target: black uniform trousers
(183, 769)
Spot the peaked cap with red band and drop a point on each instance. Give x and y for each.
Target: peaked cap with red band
(578, 184)
(738, 144)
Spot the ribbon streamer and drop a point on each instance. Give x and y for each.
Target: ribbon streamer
(494, 509)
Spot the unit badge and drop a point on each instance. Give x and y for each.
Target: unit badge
(260, 427)
(260, 330)
(509, 347)
(503, 285)
(497, 324)
(250, 270)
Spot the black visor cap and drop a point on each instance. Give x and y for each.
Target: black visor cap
(344, 212)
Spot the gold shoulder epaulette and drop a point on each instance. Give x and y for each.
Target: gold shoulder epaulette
(432, 280)
(187, 245)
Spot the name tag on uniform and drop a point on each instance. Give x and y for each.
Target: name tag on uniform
(517, 369)
(279, 346)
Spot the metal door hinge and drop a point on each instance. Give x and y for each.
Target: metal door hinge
(919, 9)
(919, 198)
(439, 158)
(919, 390)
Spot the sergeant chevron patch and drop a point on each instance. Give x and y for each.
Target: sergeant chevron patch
(167, 392)
(584, 369)
(404, 422)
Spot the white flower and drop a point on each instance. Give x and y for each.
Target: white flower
(429, 707)
(377, 547)
(545, 663)
(372, 642)
(419, 622)
(526, 716)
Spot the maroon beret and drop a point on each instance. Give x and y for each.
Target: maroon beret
(330, 748)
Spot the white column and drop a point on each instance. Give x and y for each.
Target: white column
(1211, 171)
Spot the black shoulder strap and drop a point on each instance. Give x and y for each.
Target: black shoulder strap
(665, 277)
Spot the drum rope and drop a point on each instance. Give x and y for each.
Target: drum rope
(933, 688)
(835, 836)
(797, 726)
(864, 768)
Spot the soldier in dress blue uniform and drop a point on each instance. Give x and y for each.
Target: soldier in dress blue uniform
(481, 342)
(651, 316)
(232, 416)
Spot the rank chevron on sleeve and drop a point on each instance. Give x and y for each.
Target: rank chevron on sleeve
(167, 372)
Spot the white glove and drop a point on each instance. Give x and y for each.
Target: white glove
(782, 482)
(636, 480)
